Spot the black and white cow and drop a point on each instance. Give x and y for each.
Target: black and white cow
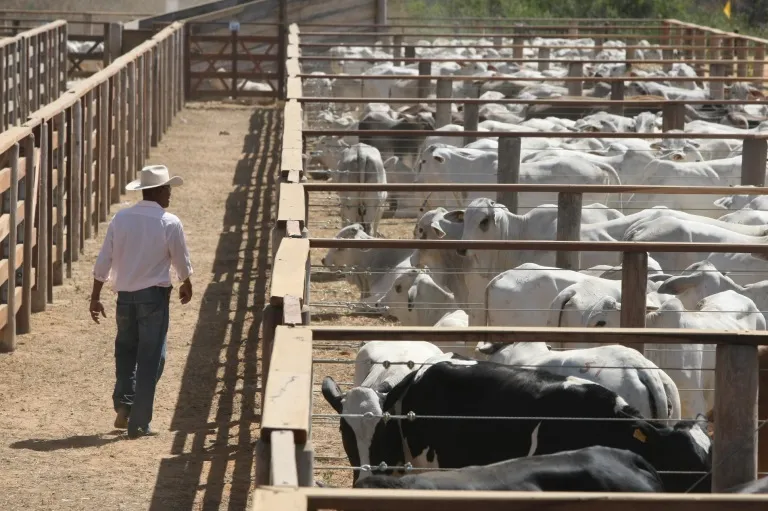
(595, 468)
(452, 386)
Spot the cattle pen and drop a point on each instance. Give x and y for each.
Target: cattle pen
(300, 439)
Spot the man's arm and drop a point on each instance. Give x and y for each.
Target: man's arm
(101, 274)
(180, 261)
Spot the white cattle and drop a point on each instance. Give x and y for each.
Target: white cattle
(416, 300)
(691, 366)
(703, 279)
(623, 370)
(743, 201)
(670, 229)
(362, 163)
(371, 370)
(371, 270)
(447, 266)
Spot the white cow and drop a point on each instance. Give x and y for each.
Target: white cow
(371, 270)
(370, 370)
(703, 279)
(362, 163)
(623, 370)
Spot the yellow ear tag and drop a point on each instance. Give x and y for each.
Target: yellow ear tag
(640, 435)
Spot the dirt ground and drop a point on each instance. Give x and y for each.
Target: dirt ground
(58, 449)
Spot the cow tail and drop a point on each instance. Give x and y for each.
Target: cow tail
(612, 175)
(656, 394)
(560, 304)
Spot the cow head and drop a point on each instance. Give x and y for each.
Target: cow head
(362, 409)
(342, 257)
(483, 220)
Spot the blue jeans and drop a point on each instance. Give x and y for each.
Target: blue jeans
(142, 328)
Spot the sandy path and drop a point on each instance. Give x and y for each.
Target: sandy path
(58, 449)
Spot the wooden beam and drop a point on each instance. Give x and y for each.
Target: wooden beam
(509, 335)
(287, 398)
(291, 204)
(288, 273)
(282, 462)
(278, 499)
(427, 500)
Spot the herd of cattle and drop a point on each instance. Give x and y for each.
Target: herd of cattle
(506, 416)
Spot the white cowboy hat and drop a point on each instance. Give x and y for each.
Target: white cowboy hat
(153, 176)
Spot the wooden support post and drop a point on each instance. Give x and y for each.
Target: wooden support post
(139, 114)
(673, 116)
(568, 229)
(40, 291)
(575, 87)
(443, 110)
(24, 315)
(716, 88)
(759, 63)
(89, 220)
(425, 69)
(75, 194)
(272, 316)
(155, 88)
(544, 55)
(397, 51)
(305, 463)
(282, 462)
(103, 141)
(8, 338)
(634, 281)
(131, 121)
(116, 168)
(617, 94)
(734, 450)
(57, 273)
(120, 150)
(410, 52)
(753, 161)
(518, 40)
(509, 170)
(471, 114)
(113, 43)
(742, 52)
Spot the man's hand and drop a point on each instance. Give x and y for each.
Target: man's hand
(185, 292)
(96, 308)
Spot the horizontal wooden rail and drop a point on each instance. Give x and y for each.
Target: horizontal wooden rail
(497, 78)
(516, 187)
(510, 334)
(601, 35)
(567, 246)
(539, 46)
(596, 102)
(341, 499)
(326, 58)
(534, 134)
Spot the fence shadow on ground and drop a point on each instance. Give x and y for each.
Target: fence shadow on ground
(214, 458)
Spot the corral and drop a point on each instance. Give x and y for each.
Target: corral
(622, 160)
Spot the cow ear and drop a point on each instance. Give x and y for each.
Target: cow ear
(438, 158)
(438, 231)
(456, 216)
(489, 348)
(411, 297)
(656, 146)
(332, 394)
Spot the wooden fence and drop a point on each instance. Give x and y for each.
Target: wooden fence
(33, 71)
(70, 160)
(284, 453)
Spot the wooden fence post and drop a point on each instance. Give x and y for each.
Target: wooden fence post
(759, 63)
(444, 90)
(122, 110)
(104, 142)
(617, 94)
(575, 87)
(397, 51)
(57, 274)
(673, 116)
(544, 56)
(115, 169)
(40, 291)
(471, 114)
(113, 42)
(518, 40)
(716, 87)
(634, 282)
(25, 311)
(8, 340)
(568, 229)
(425, 69)
(753, 162)
(155, 88)
(131, 120)
(75, 196)
(509, 170)
(89, 221)
(734, 450)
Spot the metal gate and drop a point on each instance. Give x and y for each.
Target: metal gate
(243, 61)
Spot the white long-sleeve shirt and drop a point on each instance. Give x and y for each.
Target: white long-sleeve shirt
(141, 245)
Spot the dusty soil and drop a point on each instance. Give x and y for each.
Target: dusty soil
(58, 449)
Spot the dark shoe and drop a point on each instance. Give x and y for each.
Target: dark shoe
(121, 421)
(140, 432)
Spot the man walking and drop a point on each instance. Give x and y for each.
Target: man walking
(141, 245)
